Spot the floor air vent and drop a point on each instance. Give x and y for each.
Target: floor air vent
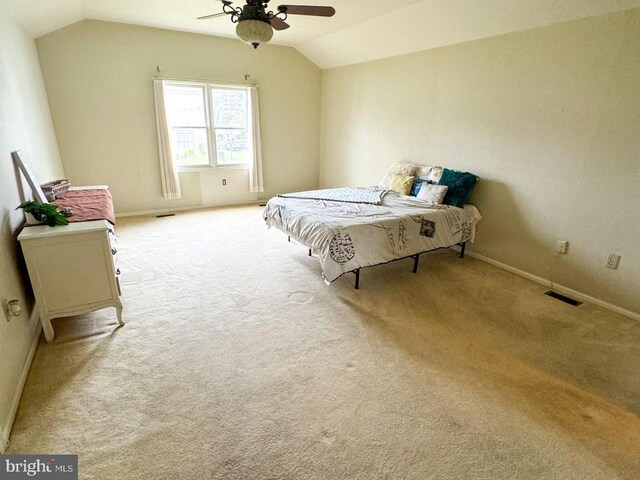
(563, 298)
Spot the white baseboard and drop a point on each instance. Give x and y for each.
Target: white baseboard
(8, 424)
(558, 288)
(141, 213)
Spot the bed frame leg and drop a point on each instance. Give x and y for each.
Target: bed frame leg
(357, 272)
(288, 238)
(416, 262)
(309, 252)
(463, 245)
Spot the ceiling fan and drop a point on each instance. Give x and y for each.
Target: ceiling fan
(256, 23)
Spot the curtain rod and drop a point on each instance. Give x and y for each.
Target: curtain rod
(202, 80)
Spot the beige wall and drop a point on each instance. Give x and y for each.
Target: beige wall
(25, 124)
(549, 119)
(98, 78)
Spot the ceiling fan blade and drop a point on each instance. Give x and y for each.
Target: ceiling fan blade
(279, 24)
(308, 10)
(213, 15)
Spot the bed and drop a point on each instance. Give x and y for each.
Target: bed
(350, 229)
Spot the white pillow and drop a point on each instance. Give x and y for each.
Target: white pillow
(400, 168)
(423, 171)
(432, 193)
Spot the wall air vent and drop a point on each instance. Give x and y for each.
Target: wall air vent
(563, 298)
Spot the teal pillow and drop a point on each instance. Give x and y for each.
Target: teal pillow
(417, 183)
(460, 186)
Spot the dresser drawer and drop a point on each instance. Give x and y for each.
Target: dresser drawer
(113, 242)
(113, 248)
(69, 271)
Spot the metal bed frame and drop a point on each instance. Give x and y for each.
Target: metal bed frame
(416, 260)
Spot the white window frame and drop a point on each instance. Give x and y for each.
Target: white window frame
(211, 128)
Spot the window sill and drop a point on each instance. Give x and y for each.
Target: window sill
(211, 168)
(238, 166)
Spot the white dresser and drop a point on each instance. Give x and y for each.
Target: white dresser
(73, 269)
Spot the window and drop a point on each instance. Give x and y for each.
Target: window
(203, 125)
(208, 124)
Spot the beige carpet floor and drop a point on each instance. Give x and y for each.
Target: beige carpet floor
(238, 362)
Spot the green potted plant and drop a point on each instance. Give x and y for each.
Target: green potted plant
(45, 213)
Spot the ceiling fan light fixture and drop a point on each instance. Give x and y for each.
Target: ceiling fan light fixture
(254, 32)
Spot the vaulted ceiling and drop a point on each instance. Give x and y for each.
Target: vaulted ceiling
(361, 30)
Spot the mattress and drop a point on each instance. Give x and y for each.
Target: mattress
(349, 236)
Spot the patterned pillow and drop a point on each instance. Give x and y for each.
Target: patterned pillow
(434, 174)
(460, 186)
(401, 184)
(432, 193)
(417, 183)
(423, 171)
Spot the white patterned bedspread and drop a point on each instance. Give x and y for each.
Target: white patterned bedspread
(347, 236)
(371, 195)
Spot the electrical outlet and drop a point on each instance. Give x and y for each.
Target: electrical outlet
(613, 260)
(11, 308)
(562, 246)
(224, 182)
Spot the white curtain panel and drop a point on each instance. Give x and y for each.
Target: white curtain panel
(168, 169)
(255, 166)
